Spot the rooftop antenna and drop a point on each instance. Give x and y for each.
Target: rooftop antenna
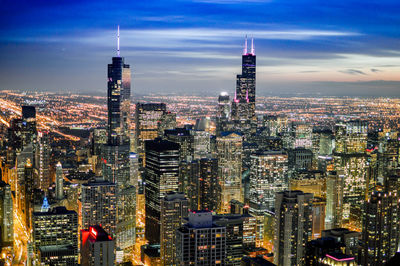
(118, 43)
(253, 50)
(245, 46)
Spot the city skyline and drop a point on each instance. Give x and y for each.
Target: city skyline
(341, 48)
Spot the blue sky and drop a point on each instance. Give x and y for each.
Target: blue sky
(347, 47)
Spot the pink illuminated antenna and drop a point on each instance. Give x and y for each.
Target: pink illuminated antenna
(118, 43)
(245, 46)
(247, 95)
(253, 49)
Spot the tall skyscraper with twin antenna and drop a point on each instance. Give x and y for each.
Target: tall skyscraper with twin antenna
(244, 102)
(115, 154)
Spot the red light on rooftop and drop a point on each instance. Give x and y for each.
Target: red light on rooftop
(93, 231)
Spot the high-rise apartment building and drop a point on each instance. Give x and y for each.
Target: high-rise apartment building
(161, 176)
(268, 175)
(380, 231)
(174, 208)
(293, 218)
(200, 241)
(98, 201)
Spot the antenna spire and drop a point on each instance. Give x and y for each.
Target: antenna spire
(245, 46)
(118, 43)
(253, 50)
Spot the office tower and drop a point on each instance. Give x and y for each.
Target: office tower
(334, 200)
(167, 121)
(161, 176)
(355, 169)
(317, 249)
(174, 208)
(351, 137)
(302, 135)
(55, 236)
(184, 138)
(6, 214)
(229, 147)
(300, 159)
(98, 139)
(312, 181)
(115, 154)
(380, 234)
(209, 187)
(293, 214)
(98, 201)
(346, 239)
(43, 161)
(322, 142)
(189, 182)
(318, 223)
(147, 118)
(223, 113)
(200, 144)
(240, 234)
(97, 247)
(28, 128)
(275, 124)
(59, 182)
(244, 102)
(14, 140)
(268, 175)
(23, 158)
(135, 177)
(27, 194)
(200, 242)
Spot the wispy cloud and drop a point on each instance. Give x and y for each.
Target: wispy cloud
(375, 70)
(352, 72)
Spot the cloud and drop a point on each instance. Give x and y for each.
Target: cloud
(352, 72)
(375, 70)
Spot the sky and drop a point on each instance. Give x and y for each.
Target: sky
(303, 47)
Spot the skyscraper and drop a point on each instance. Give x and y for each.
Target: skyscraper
(174, 208)
(115, 154)
(200, 241)
(43, 161)
(59, 182)
(161, 176)
(147, 118)
(230, 149)
(244, 102)
(380, 231)
(6, 215)
(293, 217)
(98, 201)
(55, 235)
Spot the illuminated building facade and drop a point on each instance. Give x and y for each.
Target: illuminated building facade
(229, 147)
(174, 208)
(268, 175)
(293, 214)
(98, 201)
(334, 200)
(59, 182)
(161, 176)
(147, 118)
(200, 241)
(55, 236)
(6, 214)
(380, 234)
(43, 161)
(97, 247)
